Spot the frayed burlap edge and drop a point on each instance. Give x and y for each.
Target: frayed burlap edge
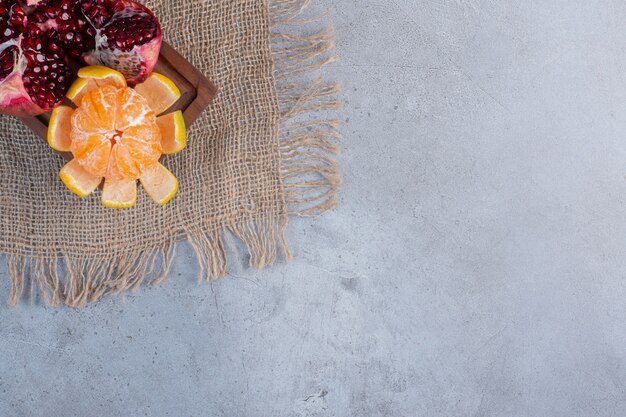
(307, 147)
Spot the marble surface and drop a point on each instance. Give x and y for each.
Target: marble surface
(477, 266)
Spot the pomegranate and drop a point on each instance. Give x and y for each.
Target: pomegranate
(38, 36)
(34, 72)
(127, 37)
(121, 34)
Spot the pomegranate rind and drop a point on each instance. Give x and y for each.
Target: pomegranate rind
(78, 180)
(147, 55)
(119, 194)
(173, 132)
(159, 183)
(59, 129)
(15, 100)
(150, 53)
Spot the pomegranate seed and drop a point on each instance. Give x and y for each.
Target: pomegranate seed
(118, 7)
(54, 47)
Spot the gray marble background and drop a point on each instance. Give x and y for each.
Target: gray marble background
(477, 266)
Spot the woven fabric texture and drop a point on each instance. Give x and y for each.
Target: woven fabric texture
(249, 163)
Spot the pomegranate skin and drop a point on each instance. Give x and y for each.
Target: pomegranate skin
(14, 100)
(150, 54)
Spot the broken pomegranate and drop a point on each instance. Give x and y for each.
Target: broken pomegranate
(121, 34)
(34, 73)
(127, 39)
(37, 36)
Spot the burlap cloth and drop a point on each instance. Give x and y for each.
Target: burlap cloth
(260, 153)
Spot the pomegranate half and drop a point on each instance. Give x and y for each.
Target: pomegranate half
(34, 73)
(128, 38)
(38, 36)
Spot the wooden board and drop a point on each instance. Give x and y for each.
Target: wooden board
(196, 90)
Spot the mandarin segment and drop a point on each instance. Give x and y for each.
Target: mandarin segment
(84, 122)
(83, 145)
(119, 194)
(96, 162)
(159, 91)
(160, 184)
(134, 110)
(103, 76)
(60, 128)
(79, 88)
(101, 105)
(121, 164)
(173, 132)
(144, 143)
(78, 180)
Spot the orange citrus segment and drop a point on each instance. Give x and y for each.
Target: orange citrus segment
(101, 105)
(79, 88)
(122, 164)
(143, 151)
(103, 76)
(91, 78)
(119, 193)
(59, 129)
(173, 132)
(79, 181)
(133, 110)
(110, 118)
(160, 184)
(93, 153)
(159, 91)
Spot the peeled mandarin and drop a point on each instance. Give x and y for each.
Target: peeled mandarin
(115, 134)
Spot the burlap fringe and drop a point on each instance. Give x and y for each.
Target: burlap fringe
(309, 148)
(77, 281)
(309, 170)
